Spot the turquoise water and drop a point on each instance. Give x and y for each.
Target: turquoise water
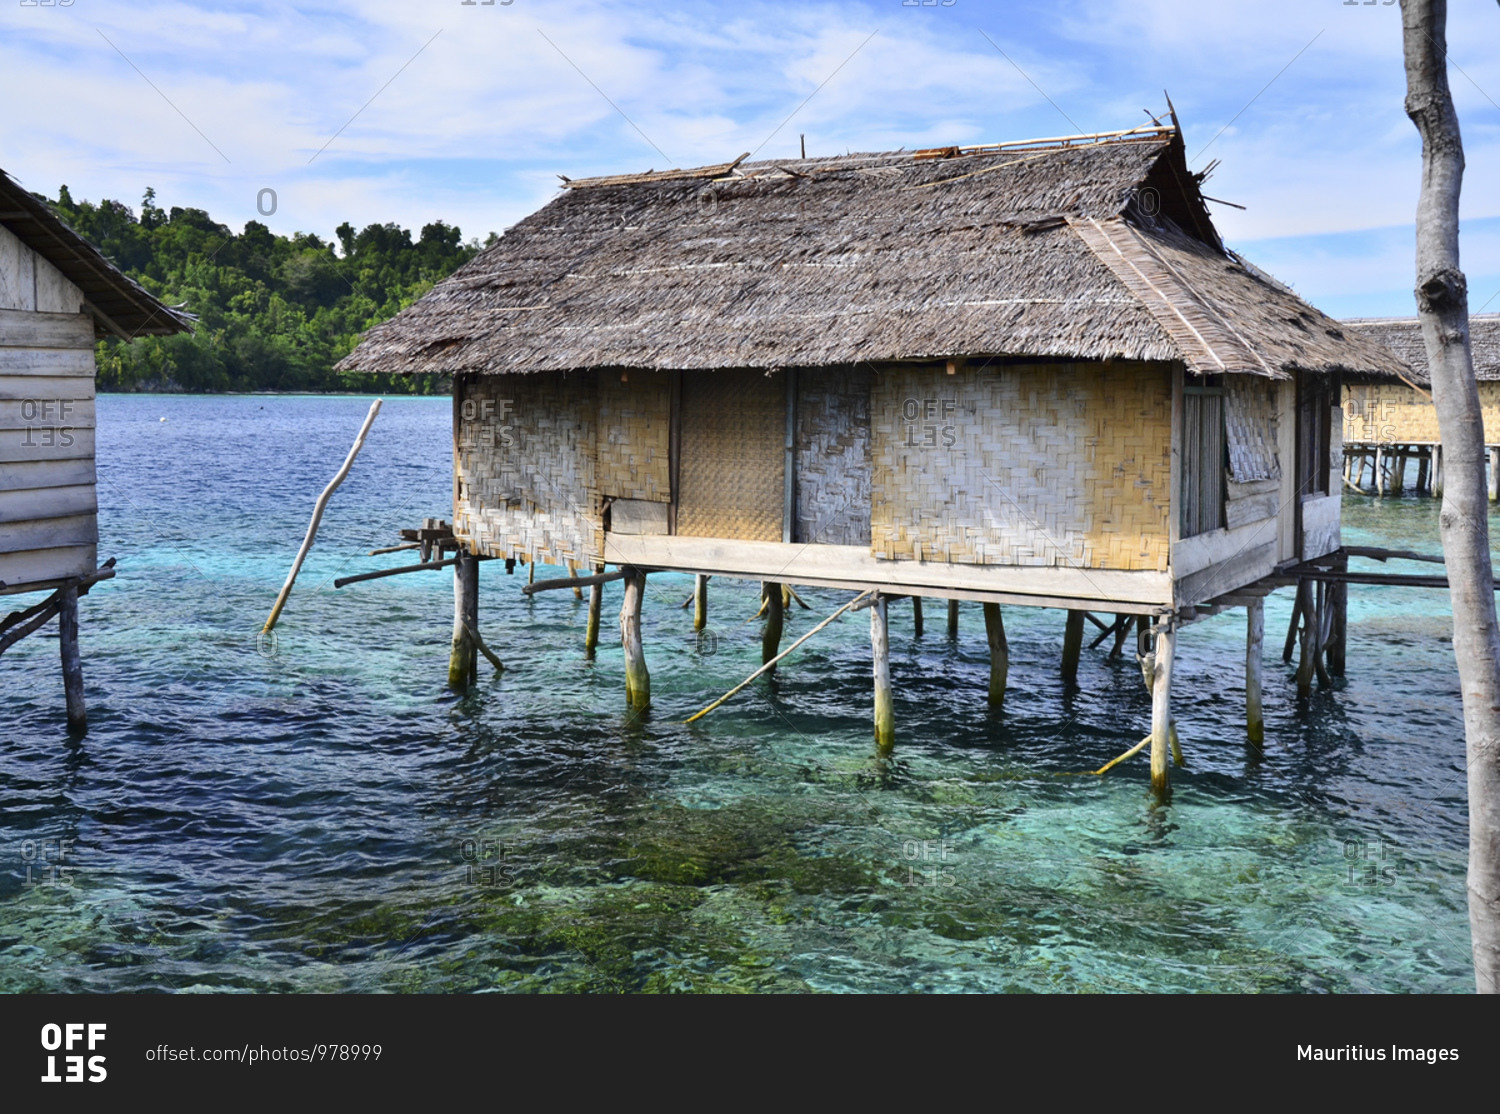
(315, 813)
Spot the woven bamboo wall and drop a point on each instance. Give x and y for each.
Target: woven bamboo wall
(833, 456)
(1250, 423)
(634, 436)
(733, 456)
(1398, 414)
(1056, 465)
(525, 468)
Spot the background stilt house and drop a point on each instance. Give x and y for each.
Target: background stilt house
(1025, 374)
(57, 295)
(1390, 424)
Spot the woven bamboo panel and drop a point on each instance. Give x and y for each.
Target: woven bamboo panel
(634, 437)
(1394, 413)
(1250, 422)
(833, 456)
(1061, 465)
(733, 456)
(524, 467)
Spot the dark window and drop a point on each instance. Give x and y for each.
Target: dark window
(1204, 458)
(1314, 409)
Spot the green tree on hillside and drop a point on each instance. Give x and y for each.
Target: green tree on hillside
(274, 312)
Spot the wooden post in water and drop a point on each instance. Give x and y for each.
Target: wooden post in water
(953, 620)
(1398, 472)
(880, 646)
(1494, 474)
(770, 639)
(1161, 704)
(994, 632)
(700, 602)
(1424, 471)
(1437, 471)
(463, 659)
(1255, 639)
(1379, 471)
(1309, 624)
(1072, 645)
(72, 659)
(637, 679)
(916, 615)
(591, 627)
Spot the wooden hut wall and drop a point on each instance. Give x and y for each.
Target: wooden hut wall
(48, 503)
(833, 456)
(733, 467)
(1397, 414)
(634, 450)
(1048, 465)
(1248, 546)
(524, 461)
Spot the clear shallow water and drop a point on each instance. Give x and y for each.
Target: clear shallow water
(316, 814)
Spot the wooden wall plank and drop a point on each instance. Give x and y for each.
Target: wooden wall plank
(30, 475)
(37, 412)
(49, 533)
(55, 292)
(37, 565)
(48, 362)
(45, 443)
(21, 329)
(74, 388)
(854, 566)
(48, 502)
(17, 273)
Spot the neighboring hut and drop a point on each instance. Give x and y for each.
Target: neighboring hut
(57, 295)
(1390, 421)
(1017, 374)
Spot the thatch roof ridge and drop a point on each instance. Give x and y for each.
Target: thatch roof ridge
(1403, 335)
(118, 303)
(991, 252)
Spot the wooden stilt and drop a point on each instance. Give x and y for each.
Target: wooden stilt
(1494, 474)
(953, 620)
(637, 679)
(1161, 704)
(994, 632)
(1379, 472)
(1072, 645)
(573, 571)
(463, 659)
(591, 627)
(1255, 639)
(1398, 472)
(1292, 628)
(700, 602)
(1305, 662)
(72, 659)
(916, 616)
(1424, 458)
(1339, 625)
(1322, 615)
(1437, 471)
(1122, 632)
(880, 646)
(770, 639)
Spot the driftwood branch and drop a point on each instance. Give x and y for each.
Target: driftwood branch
(312, 528)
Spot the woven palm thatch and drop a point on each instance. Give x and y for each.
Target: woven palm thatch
(1079, 251)
(1403, 336)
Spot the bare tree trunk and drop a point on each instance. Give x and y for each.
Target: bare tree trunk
(1443, 308)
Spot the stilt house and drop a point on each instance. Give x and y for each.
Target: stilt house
(57, 295)
(1022, 373)
(1390, 421)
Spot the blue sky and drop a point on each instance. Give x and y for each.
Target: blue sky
(410, 112)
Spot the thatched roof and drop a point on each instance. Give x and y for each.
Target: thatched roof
(118, 303)
(1403, 335)
(1077, 249)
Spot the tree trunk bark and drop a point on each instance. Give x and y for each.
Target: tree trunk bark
(1443, 309)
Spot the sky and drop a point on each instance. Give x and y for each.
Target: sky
(305, 116)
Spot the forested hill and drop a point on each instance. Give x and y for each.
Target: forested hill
(274, 312)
